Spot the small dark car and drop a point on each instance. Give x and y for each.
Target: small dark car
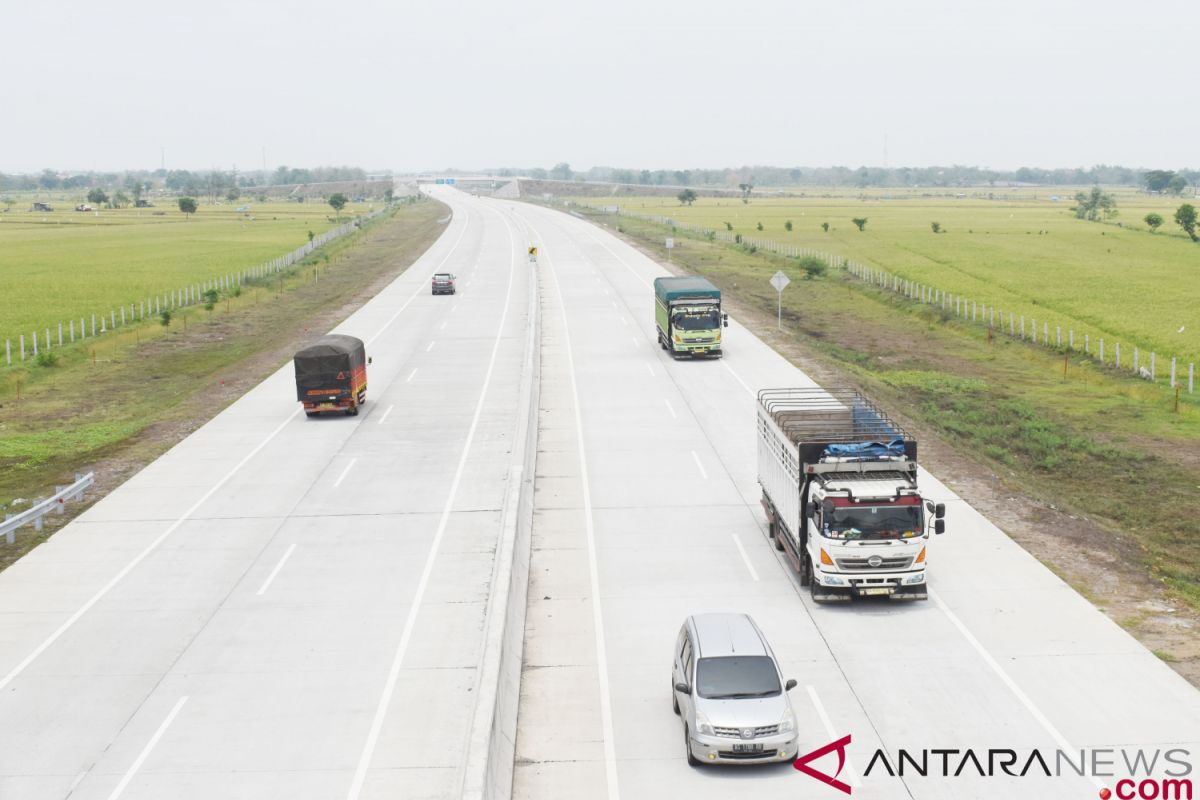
(443, 283)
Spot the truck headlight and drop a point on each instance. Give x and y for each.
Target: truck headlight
(918, 578)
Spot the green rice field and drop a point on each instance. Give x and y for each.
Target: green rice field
(1022, 250)
(66, 264)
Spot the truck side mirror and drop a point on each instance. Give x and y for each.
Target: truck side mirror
(940, 511)
(725, 319)
(683, 687)
(814, 507)
(939, 526)
(370, 360)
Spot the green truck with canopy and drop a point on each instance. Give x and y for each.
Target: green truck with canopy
(687, 313)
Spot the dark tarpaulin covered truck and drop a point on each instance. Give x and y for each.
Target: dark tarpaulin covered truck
(687, 313)
(331, 375)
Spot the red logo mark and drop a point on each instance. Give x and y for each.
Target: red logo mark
(801, 763)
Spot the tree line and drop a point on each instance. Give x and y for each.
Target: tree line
(1167, 181)
(210, 183)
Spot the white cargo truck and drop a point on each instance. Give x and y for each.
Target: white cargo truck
(839, 483)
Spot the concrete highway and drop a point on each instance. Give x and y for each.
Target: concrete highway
(281, 607)
(291, 608)
(647, 510)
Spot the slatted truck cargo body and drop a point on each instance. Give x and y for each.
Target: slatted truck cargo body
(840, 491)
(331, 375)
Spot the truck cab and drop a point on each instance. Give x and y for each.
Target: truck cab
(867, 535)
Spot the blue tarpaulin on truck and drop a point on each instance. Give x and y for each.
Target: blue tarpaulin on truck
(867, 451)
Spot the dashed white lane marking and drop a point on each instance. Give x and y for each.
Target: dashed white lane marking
(745, 558)
(410, 375)
(650, 369)
(851, 775)
(270, 578)
(699, 466)
(430, 346)
(142, 756)
(636, 343)
(385, 414)
(345, 472)
(670, 408)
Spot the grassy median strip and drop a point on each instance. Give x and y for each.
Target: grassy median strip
(116, 402)
(1103, 447)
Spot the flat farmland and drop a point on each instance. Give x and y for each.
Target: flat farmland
(67, 264)
(1027, 254)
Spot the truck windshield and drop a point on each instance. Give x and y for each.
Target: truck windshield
(731, 677)
(874, 522)
(697, 322)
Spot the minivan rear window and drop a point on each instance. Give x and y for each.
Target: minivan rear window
(730, 677)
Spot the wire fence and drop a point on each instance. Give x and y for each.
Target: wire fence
(42, 340)
(971, 310)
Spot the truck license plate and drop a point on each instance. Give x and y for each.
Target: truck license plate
(882, 590)
(747, 748)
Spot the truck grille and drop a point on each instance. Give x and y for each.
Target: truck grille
(736, 733)
(863, 564)
(702, 340)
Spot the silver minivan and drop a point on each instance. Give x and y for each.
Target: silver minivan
(730, 693)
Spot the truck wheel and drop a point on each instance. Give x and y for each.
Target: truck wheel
(776, 536)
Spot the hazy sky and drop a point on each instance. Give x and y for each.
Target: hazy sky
(670, 84)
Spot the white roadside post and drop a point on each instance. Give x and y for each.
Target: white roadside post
(780, 282)
(670, 247)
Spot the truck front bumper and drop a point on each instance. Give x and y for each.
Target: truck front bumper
(901, 585)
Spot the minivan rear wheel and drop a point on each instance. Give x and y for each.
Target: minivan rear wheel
(687, 748)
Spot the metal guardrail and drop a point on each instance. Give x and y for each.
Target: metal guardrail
(41, 508)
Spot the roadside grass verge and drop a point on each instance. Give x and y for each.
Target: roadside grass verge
(121, 400)
(1102, 446)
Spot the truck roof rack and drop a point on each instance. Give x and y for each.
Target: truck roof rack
(813, 418)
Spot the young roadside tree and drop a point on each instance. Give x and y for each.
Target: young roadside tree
(760, 227)
(861, 222)
(188, 205)
(937, 227)
(338, 201)
(1094, 204)
(1153, 221)
(1185, 216)
(746, 188)
(686, 197)
(728, 225)
(787, 226)
(97, 196)
(825, 227)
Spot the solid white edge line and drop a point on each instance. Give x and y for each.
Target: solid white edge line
(345, 472)
(699, 466)
(270, 578)
(851, 774)
(385, 700)
(745, 558)
(137, 764)
(1024, 699)
(606, 720)
(385, 414)
(150, 548)
(669, 408)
